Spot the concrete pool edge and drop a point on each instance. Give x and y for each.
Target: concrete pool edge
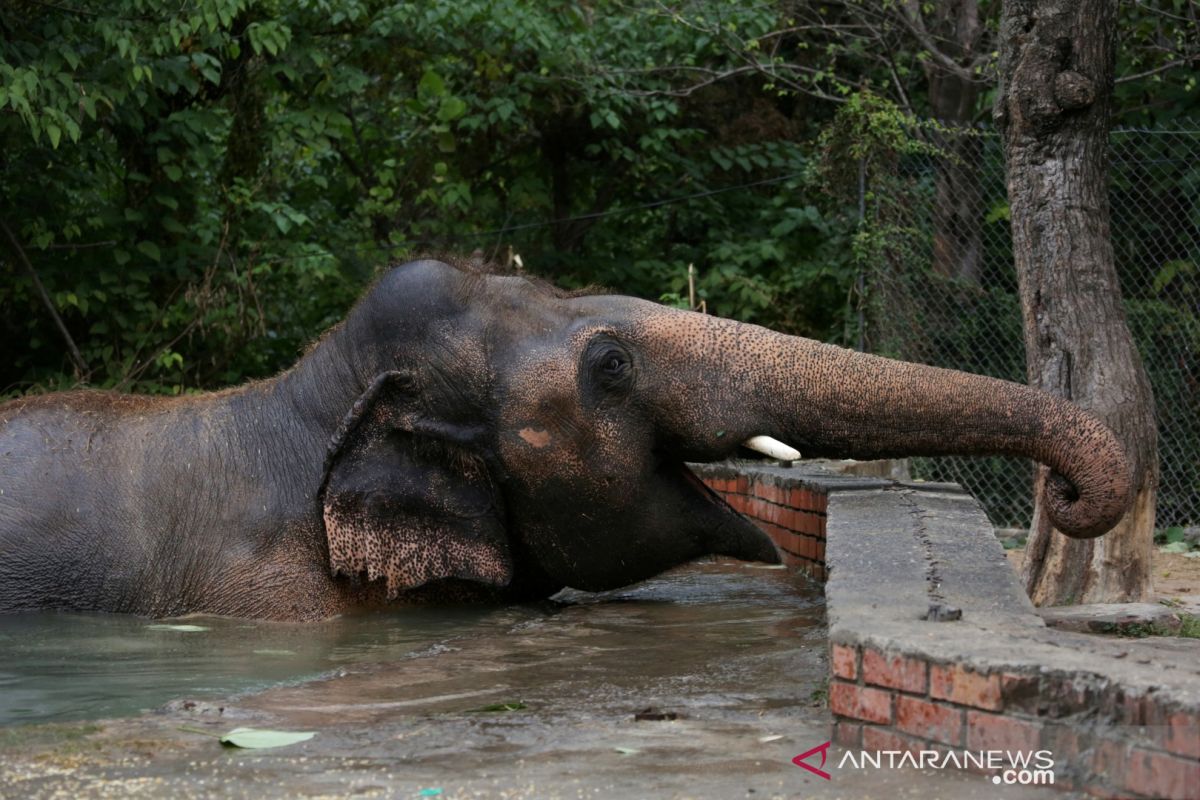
(900, 561)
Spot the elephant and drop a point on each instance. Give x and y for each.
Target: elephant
(468, 435)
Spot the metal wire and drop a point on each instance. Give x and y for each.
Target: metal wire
(943, 291)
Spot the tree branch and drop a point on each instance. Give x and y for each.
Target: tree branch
(82, 373)
(1163, 68)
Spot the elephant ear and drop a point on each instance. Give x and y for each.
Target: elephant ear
(406, 500)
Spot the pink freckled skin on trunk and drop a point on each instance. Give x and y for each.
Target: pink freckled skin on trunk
(535, 438)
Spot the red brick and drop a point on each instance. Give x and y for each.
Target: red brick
(1066, 743)
(796, 497)
(895, 672)
(784, 538)
(1110, 759)
(848, 734)
(808, 547)
(1163, 776)
(820, 551)
(1020, 692)
(964, 686)
(760, 509)
(787, 540)
(1181, 734)
(936, 721)
(792, 560)
(996, 732)
(860, 702)
(765, 491)
(876, 738)
(844, 661)
(718, 485)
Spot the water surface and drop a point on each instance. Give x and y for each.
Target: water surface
(56, 666)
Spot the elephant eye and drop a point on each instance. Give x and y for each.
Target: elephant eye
(610, 364)
(614, 363)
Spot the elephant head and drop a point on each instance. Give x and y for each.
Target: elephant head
(509, 433)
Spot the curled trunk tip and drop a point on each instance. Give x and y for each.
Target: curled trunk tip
(1090, 500)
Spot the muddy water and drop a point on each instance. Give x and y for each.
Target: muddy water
(58, 667)
(704, 683)
(62, 667)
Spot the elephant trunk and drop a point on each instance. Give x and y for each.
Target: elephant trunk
(827, 401)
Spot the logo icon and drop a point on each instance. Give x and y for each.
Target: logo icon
(823, 749)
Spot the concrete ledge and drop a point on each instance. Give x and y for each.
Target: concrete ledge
(934, 646)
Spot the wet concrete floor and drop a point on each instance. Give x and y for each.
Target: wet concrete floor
(536, 703)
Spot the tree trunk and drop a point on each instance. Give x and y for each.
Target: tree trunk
(1056, 75)
(954, 100)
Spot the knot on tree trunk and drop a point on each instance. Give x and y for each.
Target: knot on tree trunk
(1073, 91)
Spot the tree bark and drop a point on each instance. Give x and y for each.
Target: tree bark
(954, 89)
(1056, 74)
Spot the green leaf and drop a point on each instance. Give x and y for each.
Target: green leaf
(431, 85)
(55, 134)
(452, 108)
(1172, 535)
(150, 250)
(257, 739)
(162, 626)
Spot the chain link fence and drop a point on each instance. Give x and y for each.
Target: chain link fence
(941, 289)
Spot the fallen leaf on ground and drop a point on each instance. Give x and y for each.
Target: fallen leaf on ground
(256, 739)
(181, 628)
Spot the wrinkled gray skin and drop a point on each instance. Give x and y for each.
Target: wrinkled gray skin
(475, 436)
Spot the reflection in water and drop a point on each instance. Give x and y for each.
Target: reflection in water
(87, 666)
(75, 666)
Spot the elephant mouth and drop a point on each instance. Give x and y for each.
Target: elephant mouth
(721, 529)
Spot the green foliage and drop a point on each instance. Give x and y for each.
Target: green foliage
(203, 188)
(136, 177)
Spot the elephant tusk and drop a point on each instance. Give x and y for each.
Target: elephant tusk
(772, 448)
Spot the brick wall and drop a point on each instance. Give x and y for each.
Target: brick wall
(1106, 738)
(1121, 746)
(790, 511)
